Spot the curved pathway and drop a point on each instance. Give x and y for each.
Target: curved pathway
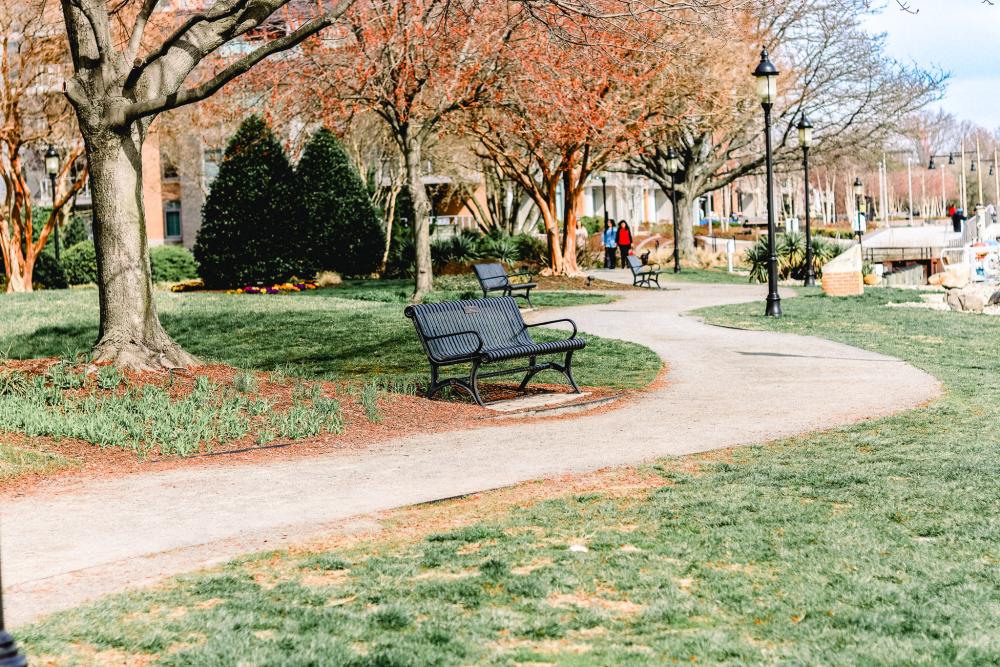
(725, 387)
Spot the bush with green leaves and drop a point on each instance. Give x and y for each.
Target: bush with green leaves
(80, 263)
(48, 273)
(172, 264)
(342, 226)
(249, 231)
(791, 252)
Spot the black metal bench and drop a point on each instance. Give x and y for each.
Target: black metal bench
(494, 278)
(482, 332)
(643, 275)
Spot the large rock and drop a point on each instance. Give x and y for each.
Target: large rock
(842, 275)
(970, 299)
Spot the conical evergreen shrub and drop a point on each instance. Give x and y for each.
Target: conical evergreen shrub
(249, 221)
(344, 228)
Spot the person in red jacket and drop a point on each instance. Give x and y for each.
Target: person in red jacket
(624, 242)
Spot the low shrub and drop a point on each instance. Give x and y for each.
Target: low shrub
(48, 273)
(80, 263)
(172, 264)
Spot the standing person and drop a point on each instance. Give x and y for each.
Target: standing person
(624, 241)
(610, 244)
(957, 218)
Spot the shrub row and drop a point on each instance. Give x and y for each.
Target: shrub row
(169, 264)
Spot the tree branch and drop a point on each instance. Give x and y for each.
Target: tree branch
(151, 107)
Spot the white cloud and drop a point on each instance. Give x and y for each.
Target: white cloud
(958, 36)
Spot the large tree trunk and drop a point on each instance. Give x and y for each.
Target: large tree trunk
(421, 225)
(130, 334)
(685, 219)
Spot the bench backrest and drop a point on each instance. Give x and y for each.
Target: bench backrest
(634, 263)
(498, 320)
(491, 275)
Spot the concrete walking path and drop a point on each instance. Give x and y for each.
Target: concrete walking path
(725, 387)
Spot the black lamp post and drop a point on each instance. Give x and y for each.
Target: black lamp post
(9, 654)
(604, 197)
(52, 169)
(859, 191)
(674, 166)
(805, 140)
(767, 89)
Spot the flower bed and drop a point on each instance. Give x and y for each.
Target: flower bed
(280, 288)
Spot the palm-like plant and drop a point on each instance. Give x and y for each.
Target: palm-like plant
(756, 257)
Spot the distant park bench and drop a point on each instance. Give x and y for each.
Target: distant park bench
(482, 332)
(643, 275)
(494, 278)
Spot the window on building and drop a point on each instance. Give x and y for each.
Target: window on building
(169, 169)
(172, 219)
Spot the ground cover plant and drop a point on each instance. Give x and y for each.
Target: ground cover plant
(876, 543)
(362, 345)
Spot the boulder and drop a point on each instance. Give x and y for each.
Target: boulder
(954, 279)
(970, 299)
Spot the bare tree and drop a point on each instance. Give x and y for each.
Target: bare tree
(832, 69)
(120, 83)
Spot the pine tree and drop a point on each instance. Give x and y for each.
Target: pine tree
(248, 230)
(337, 215)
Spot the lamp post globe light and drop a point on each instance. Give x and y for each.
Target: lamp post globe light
(673, 167)
(767, 90)
(52, 169)
(805, 140)
(859, 191)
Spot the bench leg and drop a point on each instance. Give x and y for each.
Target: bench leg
(567, 370)
(529, 375)
(474, 384)
(435, 384)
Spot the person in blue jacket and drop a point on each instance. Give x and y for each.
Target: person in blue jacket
(610, 244)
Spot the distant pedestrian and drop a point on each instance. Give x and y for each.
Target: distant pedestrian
(624, 242)
(610, 244)
(957, 218)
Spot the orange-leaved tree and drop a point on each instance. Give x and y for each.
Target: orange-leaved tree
(33, 114)
(412, 65)
(568, 108)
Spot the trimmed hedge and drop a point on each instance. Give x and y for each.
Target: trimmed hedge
(172, 264)
(79, 262)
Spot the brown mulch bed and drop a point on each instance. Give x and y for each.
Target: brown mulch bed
(588, 283)
(401, 415)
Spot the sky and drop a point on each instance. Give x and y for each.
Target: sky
(960, 36)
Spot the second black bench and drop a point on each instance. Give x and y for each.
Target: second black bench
(494, 278)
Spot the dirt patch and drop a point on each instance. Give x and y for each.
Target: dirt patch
(587, 283)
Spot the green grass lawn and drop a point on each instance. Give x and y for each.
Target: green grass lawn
(877, 543)
(693, 275)
(318, 334)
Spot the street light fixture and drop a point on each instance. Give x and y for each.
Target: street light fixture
(604, 197)
(52, 169)
(673, 167)
(767, 90)
(859, 191)
(806, 140)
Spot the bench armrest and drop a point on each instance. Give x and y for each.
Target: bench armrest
(542, 324)
(452, 335)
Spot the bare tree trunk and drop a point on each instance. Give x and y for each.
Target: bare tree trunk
(421, 224)
(131, 335)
